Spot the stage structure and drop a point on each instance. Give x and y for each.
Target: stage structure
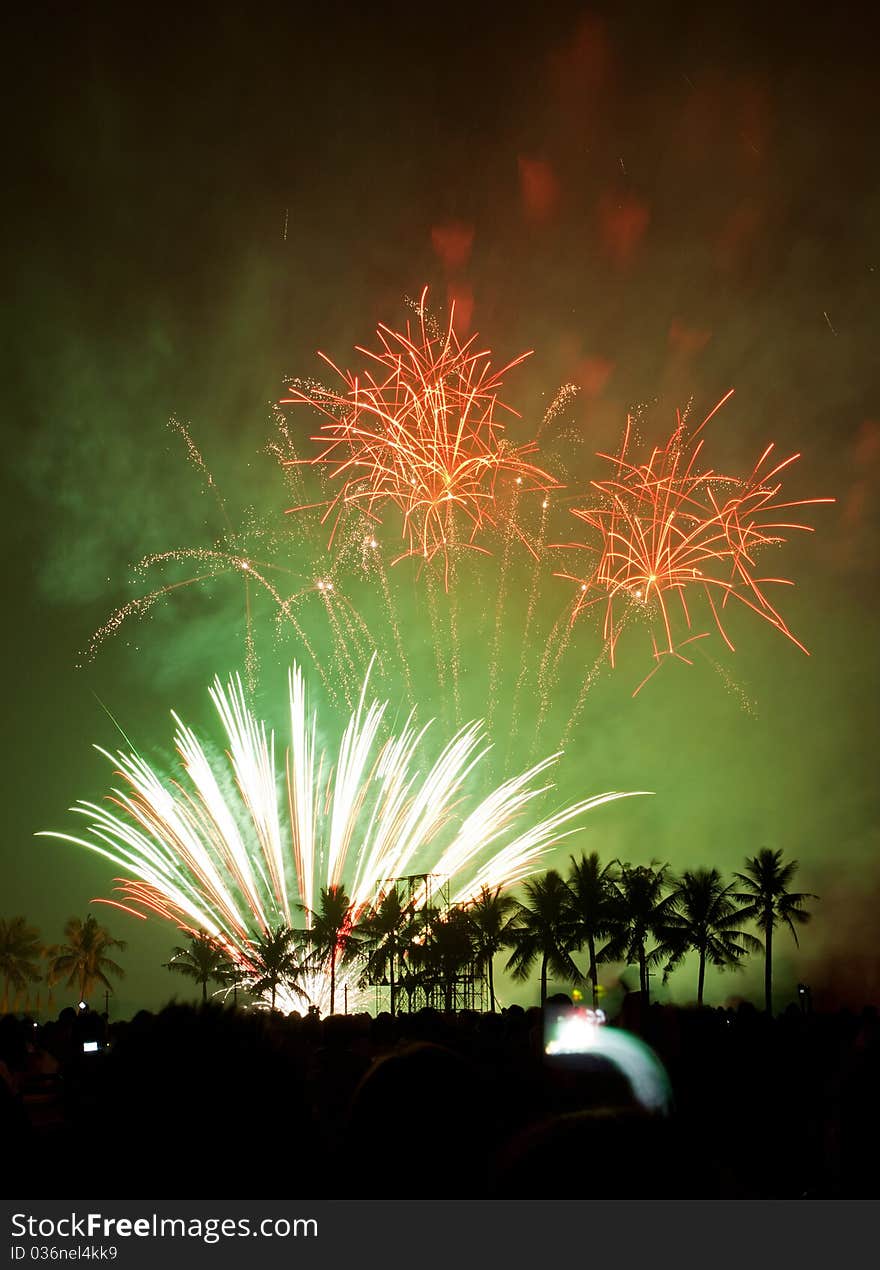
(430, 973)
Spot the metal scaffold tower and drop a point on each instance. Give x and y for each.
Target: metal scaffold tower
(423, 975)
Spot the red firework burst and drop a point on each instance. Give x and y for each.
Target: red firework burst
(671, 531)
(420, 429)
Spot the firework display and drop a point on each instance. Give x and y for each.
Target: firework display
(440, 511)
(415, 447)
(241, 849)
(670, 531)
(421, 429)
(237, 847)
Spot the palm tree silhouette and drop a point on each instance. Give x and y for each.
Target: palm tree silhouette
(275, 963)
(20, 951)
(330, 933)
(384, 933)
(704, 917)
(592, 906)
(83, 958)
(637, 911)
(490, 916)
(202, 960)
(448, 952)
(542, 928)
(770, 903)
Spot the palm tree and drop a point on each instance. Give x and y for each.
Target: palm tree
(330, 933)
(83, 958)
(770, 903)
(20, 951)
(235, 977)
(202, 960)
(384, 935)
(637, 913)
(275, 963)
(592, 895)
(490, 916)
(542, 928)
(448, 952)
(704, 917)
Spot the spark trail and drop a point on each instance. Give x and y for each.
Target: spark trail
(232, 845)
(534, 590)
(419, 429)
(674, 534)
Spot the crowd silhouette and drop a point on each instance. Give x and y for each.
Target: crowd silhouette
(201, 1101)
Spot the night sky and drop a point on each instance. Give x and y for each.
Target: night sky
(662, 207)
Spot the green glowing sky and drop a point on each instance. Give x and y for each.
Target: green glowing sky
(660, 210)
